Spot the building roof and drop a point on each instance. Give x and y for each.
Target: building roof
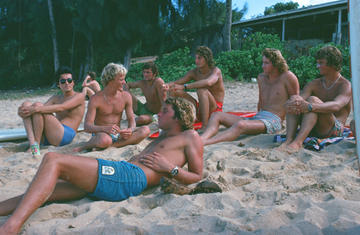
(301, 12)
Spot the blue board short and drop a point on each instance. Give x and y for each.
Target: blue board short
(68, 136)
(118, 180)
(272, 122)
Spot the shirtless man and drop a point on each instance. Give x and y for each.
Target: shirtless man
(65, 177)
(105, 111)
(90, 85)
(276, 85)
(60, 129)
(324, 103)
(208, 83)
(151, 86)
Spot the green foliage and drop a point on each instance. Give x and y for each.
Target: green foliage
(280, 7)
(304, 68)
(236, 64)
(174, 65)
(255, 44)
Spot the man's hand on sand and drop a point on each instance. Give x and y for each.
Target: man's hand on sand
(157, 162)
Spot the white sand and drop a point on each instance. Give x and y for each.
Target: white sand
(267, 192)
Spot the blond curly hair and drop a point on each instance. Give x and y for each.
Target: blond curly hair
(184, 111)
(110, 71)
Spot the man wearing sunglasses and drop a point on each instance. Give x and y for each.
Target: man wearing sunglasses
(42, 126)
(105, 110)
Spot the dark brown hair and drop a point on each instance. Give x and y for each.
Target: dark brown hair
(332, 55)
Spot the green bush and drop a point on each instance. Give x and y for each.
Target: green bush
(171, 66)
(304, 68)
(236, 64)
(175, 65)
(256, 43)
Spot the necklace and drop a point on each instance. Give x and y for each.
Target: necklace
(328, 88)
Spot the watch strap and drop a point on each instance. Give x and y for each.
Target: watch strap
(175, 171)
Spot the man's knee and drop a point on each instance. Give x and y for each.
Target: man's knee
(201, 92)
(144, 131)
(240, 125)
(26, 104)
(50, 158)
(104, 142)
(314, 99)
(216, 116)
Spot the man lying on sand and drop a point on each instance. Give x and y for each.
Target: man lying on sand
(324, 103)
(65, 177)
(208, 82)
(105, 110)
(276, 85)
(152, 88)
(40, 123)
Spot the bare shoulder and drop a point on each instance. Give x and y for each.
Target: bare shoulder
(159, 81)
(96, 98)
(191, 136)
(54, 99)
(126, 95)
(345, 84)
(288, 75)
(217, 70)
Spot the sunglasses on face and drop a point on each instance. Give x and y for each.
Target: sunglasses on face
(68, 80)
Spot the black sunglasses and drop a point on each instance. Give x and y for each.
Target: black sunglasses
(68, 80)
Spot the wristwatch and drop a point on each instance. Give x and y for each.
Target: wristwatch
(309, 107)
(174, 171)
(185, 86)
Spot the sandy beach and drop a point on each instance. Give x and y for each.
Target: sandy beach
(264, 191)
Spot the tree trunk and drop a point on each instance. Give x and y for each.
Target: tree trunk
(53, 36)
(127, 58)
(227, 26)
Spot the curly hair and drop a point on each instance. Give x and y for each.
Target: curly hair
(110, 71)
(207, 54)
(152, 66)
(184, 111)
(276, 58)
(332, 55)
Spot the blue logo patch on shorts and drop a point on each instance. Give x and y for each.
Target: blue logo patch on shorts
(107, 170)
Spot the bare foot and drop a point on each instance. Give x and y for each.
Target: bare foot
(292, 148)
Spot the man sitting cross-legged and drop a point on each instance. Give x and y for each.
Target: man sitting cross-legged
(105, 110)
(66, 177)
(208, 82)
(152, 88)
(276, 85)
(324, 103)
(42, 126)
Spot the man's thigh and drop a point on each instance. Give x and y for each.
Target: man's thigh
(53, 129)
(227, 119)
(324, 124)
(79, 171)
